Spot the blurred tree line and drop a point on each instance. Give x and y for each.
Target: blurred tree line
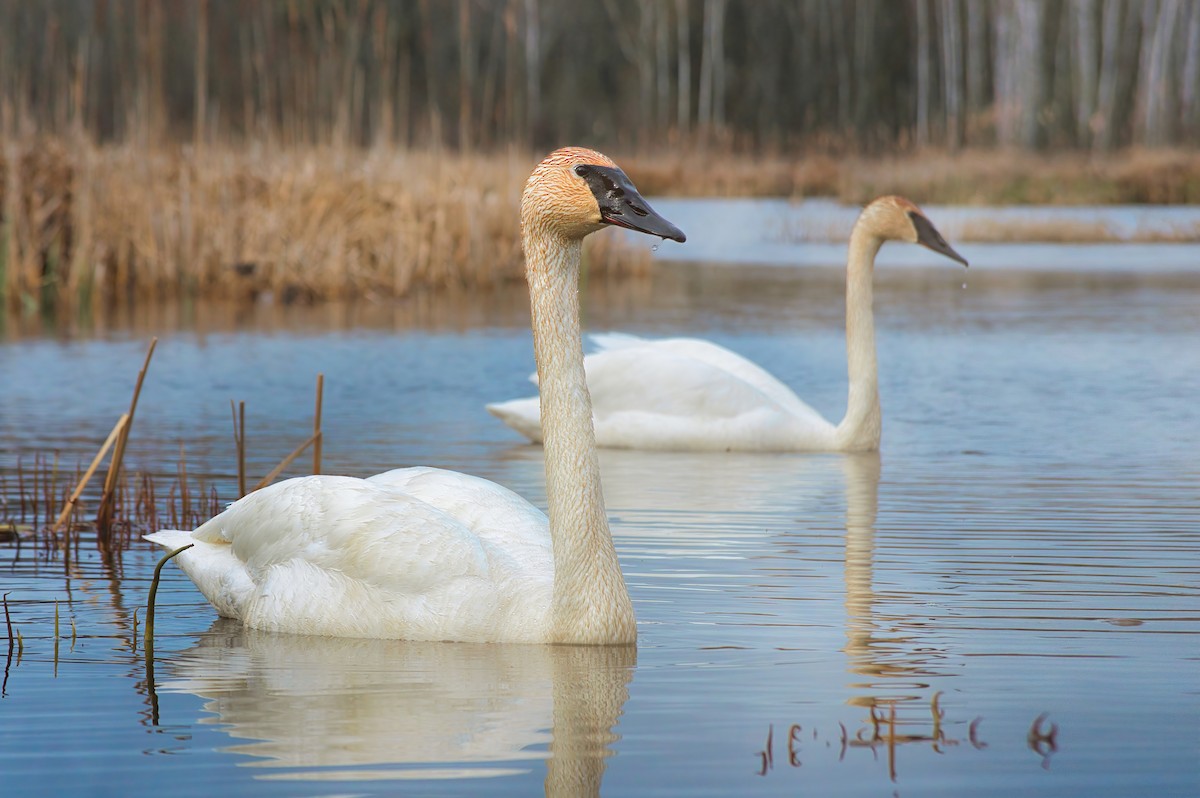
(479, 74)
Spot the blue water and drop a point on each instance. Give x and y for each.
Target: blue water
(1027, 542)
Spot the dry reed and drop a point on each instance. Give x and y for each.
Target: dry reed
(970, 177)
(104, 513)
(137, 507)
(81, 222)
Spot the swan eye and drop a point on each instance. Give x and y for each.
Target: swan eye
(582, 171)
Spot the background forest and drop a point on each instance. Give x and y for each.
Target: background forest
(369, 147)
(871, 75)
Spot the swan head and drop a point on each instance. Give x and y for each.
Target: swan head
(576, 191)
(895, 218)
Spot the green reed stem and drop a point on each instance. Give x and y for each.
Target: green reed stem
(153, 592)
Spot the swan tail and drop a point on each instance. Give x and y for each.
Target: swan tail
(170, 539)
(213, 568)
(523, 415)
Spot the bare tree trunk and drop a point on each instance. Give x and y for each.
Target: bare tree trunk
(1189, 105)
(533, 63)
(1087, 45)
(1032, 85)
(200, 111)
(487, 101)
(511, 115)
(924, 73)
(662, 67)
(704, 101)
(431, 69)
(977, 29)
(643, 56)
(865, 25)
(1145, 99)
(684, 69)
(465, 70)
(952, 72)
(1157, 101)
(718, 52)
(384, 57)
(1104, 120)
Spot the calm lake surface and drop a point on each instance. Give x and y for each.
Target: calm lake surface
(1027, 543)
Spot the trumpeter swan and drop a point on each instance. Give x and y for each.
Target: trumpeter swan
(427, 554)
(690, 394)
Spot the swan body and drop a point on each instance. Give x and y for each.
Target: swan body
(428, 554)
(683, 394)
(690, 394)
(439, 554)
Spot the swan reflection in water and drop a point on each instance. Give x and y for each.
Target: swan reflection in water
(341, 709)
(892, 661)
(882, 648)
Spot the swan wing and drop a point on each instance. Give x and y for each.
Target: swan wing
(716, 356)
(497, 515)
(690, 374)
(356, 558)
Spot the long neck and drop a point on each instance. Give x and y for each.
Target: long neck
(591, 603)
(860, 429)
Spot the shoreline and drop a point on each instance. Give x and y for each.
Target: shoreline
(82, 223)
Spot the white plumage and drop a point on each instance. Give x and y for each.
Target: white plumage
(438, 554)
(688, 394)
(425, 554)
(683, 394)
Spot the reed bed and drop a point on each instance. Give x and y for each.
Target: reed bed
(84, 223)
(81, 223)
(32, 497)
(969, 177)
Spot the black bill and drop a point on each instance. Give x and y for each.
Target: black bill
(928, 236)
(622, 205)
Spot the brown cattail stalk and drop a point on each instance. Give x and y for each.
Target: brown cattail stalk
(104, 514)
(239, 440)
(117, 429)
(285, 462)
(317, 426)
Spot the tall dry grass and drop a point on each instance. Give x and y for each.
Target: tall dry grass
(970, 177)
(85, 223)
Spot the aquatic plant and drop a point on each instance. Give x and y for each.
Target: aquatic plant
(87, 224)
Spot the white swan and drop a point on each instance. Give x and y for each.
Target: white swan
(426, 554)
(689, 394)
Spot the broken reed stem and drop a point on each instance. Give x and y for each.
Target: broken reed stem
(185, 498)
(79, 488)
(317, 426)
(277, 470)
(104, 515)
(149, 640)
(8, 621)
(239, 439)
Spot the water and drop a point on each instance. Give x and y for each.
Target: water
(812, 233)
(1027, 542)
